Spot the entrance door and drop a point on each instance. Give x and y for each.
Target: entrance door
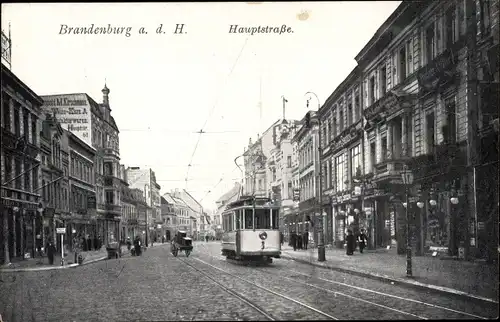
(168, 235)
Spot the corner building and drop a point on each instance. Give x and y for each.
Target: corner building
(93, 123)
(420, 107)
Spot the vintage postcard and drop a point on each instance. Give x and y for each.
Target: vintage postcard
(192, 161)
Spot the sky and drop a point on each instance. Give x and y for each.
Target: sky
(166, 87)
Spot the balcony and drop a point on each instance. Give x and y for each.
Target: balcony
(443, 159)
(111, 181)
(389, 171)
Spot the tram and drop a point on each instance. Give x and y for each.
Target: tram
(250, 230)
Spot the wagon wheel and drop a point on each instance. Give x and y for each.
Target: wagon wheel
(188, 252)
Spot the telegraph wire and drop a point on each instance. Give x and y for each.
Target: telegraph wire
(213, 108)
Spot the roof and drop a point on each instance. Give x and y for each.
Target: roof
(403, 15)
(233, 191)
(168, 199)
(28, 93)
(349, 80)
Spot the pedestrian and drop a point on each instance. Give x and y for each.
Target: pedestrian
(294, 240)
(300, 244)
(362, 239)
(305, 239)
(51, 251)
(281, 238)
(351, 243)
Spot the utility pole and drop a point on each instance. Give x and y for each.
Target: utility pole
(472, 102)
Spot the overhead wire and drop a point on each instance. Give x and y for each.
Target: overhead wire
(212, 110)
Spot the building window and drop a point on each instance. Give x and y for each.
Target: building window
(26, 126)
(289, 161)
(371, 91)
(35, 179)
(110, 197)
(430, 43)
(357, 106)
(451, 26)
(18, 172)
(450, 129)
(429, 133)
(6, 111)
(27, 181)
(384, 148)
(339, 172)
(334, 124)
(8, 168)
(33, 131)
(383, 81)
(341, 119)
(108, 169)
(17, 126)
(373, 155)
(355, 160)
(485, 9)
(402, 64)
(349, 112)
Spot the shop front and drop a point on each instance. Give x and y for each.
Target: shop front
(444, 218)
(342, 212)
(18, 233)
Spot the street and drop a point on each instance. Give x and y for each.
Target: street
(158, 286)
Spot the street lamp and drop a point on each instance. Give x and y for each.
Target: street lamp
(321, 243)
(407, 177)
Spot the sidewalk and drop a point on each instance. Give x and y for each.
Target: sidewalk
(477, 280)
(42, 263)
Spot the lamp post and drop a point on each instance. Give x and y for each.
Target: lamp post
(321, 242)
(407, 176)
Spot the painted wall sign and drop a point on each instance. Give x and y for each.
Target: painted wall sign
(73, 112)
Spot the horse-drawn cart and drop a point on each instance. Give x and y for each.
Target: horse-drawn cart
(181, 243)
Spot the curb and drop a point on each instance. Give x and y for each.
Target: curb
(385, 278)
(51, 268)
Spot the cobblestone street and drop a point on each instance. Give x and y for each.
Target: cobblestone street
(157, 286)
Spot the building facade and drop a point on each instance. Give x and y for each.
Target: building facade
(55, 190)
(194, 210)
(341, 159)
(145, 180)
(82, 219)
(306, 217)
(20, 167)
(169, 216)
(93, 123)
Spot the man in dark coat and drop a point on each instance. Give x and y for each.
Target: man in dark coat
(293, 240)
(305, 239)
(51, 251)
(362, 239)
(351, 243)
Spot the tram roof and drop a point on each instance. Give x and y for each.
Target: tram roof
(248, 202)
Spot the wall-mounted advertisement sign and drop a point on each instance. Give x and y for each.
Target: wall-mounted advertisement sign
(73, 112)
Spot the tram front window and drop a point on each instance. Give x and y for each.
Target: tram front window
(262, 219)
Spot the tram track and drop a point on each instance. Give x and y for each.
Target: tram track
(277, 305)
(419, 309)
(399, 303)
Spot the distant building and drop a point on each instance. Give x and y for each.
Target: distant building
(145, 180)
(169, 216)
